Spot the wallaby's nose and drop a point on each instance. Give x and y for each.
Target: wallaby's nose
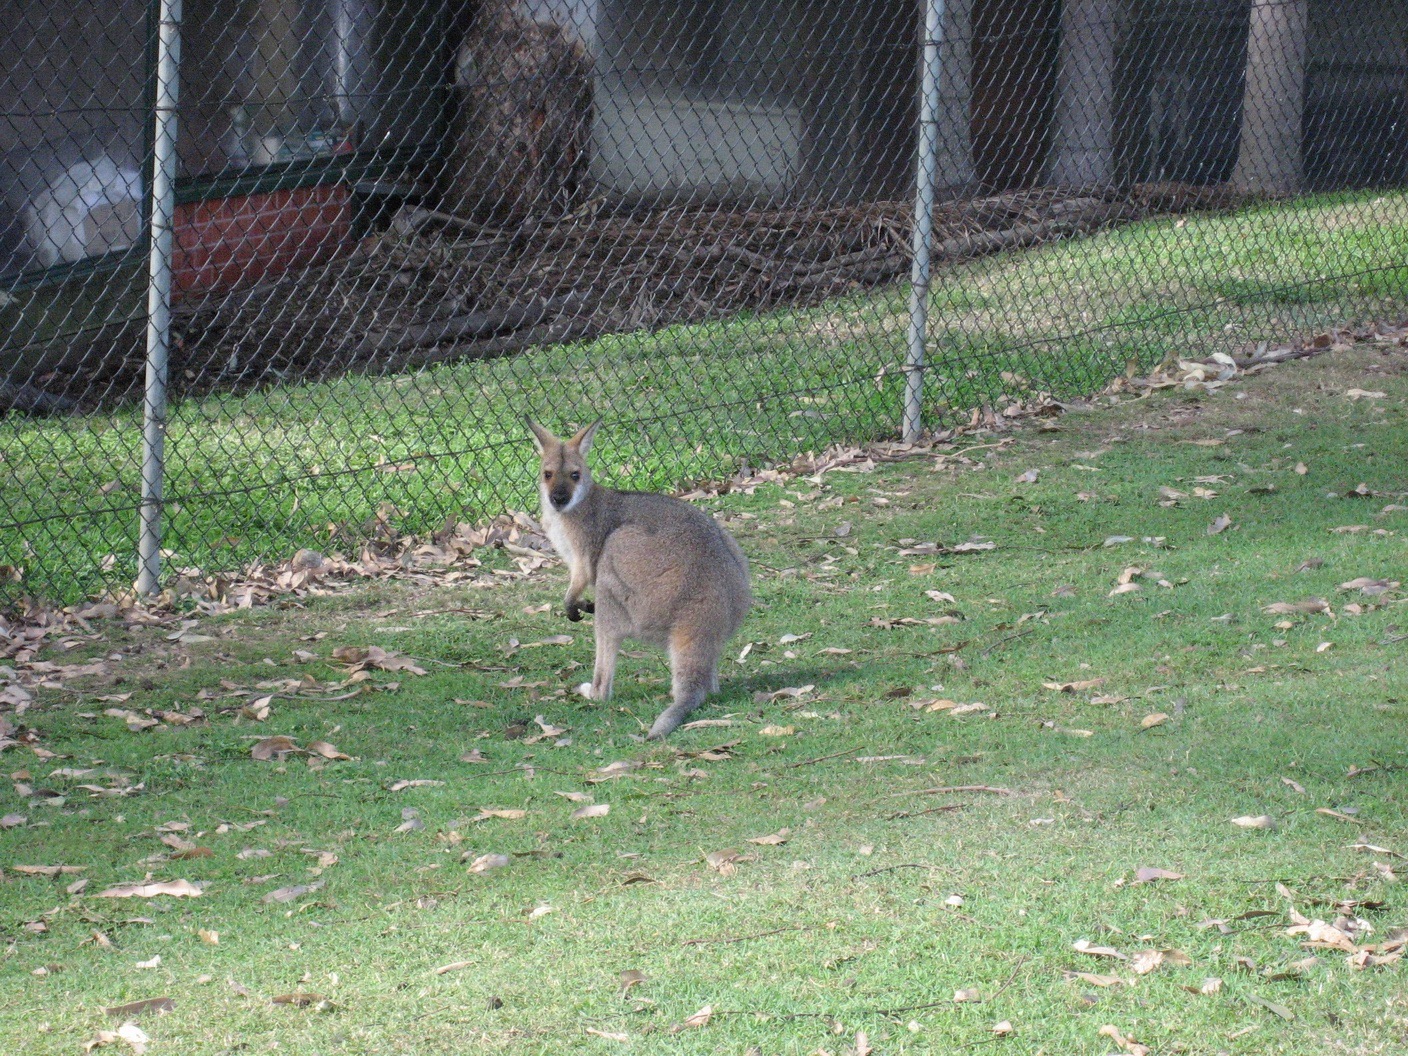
(560, 497)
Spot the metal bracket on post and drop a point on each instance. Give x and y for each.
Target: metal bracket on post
(163, 206)
(926, 175)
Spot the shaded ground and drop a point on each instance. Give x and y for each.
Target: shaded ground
(258, 474)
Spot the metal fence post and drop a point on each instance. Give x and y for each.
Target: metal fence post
(926, 173)
(163, 204)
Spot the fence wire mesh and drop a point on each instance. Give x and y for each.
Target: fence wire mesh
(402, 226)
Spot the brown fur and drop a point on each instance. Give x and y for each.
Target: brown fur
(662, 571)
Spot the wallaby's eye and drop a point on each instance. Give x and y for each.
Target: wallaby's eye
(576, 475)
(547, 474)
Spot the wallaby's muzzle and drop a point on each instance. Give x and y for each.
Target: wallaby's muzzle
(560, 497)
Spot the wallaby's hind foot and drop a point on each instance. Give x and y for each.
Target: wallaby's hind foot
(693, 678)
(671, 718)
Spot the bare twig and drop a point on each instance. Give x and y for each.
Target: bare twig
(1009, 638)
(744, 938)
(895, 868)
(946, 808)
(823, 758)
(943, 790)
(1022, 960)
(470, 325)
(547, 334)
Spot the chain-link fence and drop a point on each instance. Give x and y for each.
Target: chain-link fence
(308, 262)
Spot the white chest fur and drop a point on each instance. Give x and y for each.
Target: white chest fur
(557, 532)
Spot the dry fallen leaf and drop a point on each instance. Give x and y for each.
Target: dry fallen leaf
(135, 1037)
(292, 891)
(1338, 815)
(485, 862)
(1148, 874)
(699, 1019)
(609, 1035)
(47, 870)
(1259, 821)
(1158, 718)
(174, 888)
(1293, 608)
(786, 692)
(359, 659)
(506, 815)
(1220, 524)
(301, 999)
(1002, 1029)
(1132, 1047)
(1074, 687)
(1093, 979)
(453, 966)
(1145, 961)
(773, 839)
(722, 862)
(325, 750)
(272, 747)
(136, 1008)
(1371, 587)
(1086, 947)
(777, 731)
(596, 810)
(1272, 1006)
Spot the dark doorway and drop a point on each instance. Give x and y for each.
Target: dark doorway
(1014, 81)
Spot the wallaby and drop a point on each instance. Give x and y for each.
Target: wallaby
(663, 572)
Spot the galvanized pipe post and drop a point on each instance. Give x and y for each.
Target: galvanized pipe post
(163, 206)
(926, 175)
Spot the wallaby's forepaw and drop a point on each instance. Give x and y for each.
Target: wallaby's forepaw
(576, 608)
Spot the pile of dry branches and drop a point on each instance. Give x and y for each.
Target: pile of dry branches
(434, 286)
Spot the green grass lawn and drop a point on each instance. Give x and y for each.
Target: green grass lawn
(257, 475)
(883, 899)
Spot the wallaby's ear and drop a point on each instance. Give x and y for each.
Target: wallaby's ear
(583, 440)
(542, 439)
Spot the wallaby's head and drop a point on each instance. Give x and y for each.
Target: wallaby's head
(564, 479)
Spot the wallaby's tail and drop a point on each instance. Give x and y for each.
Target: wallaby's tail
(694, 665)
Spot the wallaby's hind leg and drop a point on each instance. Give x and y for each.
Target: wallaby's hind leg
(604, 671)
(695, 674)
